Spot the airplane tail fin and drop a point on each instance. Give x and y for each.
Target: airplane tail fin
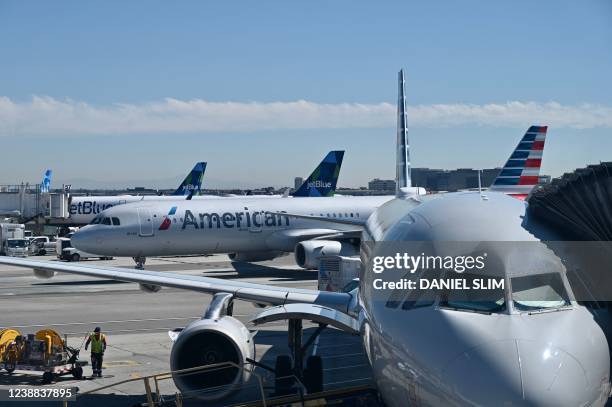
(45, 185)
(522, 170)
(323, 180)
(192, 183)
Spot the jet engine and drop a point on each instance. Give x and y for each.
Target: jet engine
(208, 342)
(255, 256)
(307, 253)
(43, 274)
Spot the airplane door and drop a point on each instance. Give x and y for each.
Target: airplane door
(146, 222)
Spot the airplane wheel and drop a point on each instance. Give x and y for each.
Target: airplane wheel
(77, 372)
(75, 257)
(10, 368)
(42, 252)
(283, 369)
(47, 377)
(313, 374)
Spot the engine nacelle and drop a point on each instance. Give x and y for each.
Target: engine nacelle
(308, 253)
(207, 342)
(43, 274)
(149, 288)
(255, 256)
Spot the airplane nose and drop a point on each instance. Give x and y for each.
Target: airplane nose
(520, 372)
(84, 240)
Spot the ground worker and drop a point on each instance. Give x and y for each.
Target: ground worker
(98, 346)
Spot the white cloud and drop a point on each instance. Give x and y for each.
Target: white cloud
(48, 116)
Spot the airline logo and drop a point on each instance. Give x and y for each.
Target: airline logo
(167, 222)
(522, 170)
(319, 184)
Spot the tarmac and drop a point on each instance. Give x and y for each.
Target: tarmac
(137, 324)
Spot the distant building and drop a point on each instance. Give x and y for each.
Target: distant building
(297, 182)
(381, 185)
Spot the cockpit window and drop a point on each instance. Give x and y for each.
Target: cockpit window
(116, 221)
(539, 292)
(95, 220)
(106, 221)
(491, 300)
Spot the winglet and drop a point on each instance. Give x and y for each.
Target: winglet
(192, 183)
(403, 178)
(403, 148)
(521, 172)
(323, 180)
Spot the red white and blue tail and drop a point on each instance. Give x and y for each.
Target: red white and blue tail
(522, 170)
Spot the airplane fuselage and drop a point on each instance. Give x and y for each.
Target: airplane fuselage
(226, 225)
(431, 354)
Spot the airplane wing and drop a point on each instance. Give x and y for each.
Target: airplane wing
(256, 293)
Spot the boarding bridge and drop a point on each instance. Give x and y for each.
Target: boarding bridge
(579, 204)
(26, 203)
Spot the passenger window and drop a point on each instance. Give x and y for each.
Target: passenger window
(351, 214)
(106, 221)
(116, 222)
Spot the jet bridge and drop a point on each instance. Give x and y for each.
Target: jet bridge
(26, 203)
(579, 204)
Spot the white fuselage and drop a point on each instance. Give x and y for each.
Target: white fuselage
(226, 225)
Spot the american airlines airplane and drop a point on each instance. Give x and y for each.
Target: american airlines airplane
(440, 352)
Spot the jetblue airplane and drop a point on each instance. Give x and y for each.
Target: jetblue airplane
(438, 351)
(45, 185)
(254, 229)
(83, 209)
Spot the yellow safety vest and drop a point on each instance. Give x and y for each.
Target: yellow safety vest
(97, 345)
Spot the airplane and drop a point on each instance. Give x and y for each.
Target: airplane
(440, 351)
(164, 228)
(45, 185)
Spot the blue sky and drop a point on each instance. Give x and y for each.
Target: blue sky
(83, 86)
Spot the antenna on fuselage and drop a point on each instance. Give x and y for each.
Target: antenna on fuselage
(402, 170)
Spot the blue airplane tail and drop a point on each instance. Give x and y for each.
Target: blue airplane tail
(192, 183)
(45, 185)
(323, 180)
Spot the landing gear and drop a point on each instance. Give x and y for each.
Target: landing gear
(140, 262)
(311, 376)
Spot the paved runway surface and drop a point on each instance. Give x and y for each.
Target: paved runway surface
(136, 323)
